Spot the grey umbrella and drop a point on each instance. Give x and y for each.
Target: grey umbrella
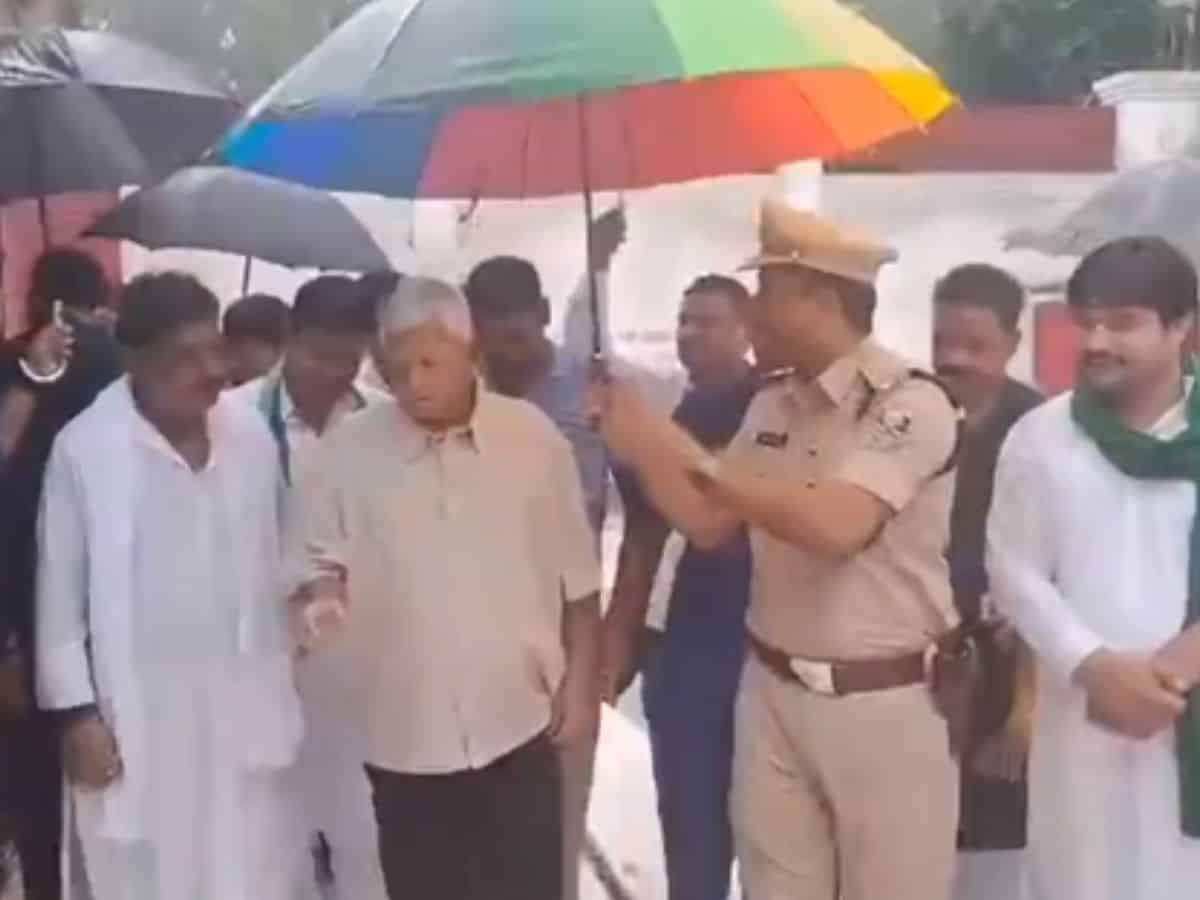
(85, 110)
(232, 211)
(1161, 199)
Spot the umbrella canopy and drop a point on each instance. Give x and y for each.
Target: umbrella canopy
(215, 208)
(526, 98)
(85, 110)
(1160, 199)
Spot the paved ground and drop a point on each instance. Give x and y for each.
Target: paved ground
(623, 823)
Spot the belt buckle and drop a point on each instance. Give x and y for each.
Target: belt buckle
(816, 676)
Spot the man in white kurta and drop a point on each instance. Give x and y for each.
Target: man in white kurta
(162, 625)
(1089, 562)
(311, 393)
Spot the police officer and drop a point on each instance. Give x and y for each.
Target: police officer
(844, 781)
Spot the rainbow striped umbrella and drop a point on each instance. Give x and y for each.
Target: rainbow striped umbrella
(533, 98)
(483, 98)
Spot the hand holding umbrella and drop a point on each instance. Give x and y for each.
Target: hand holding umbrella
(49, 352)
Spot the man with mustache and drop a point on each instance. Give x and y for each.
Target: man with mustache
(976, 331)
(844, 786)
(313, 389)
(1093, 554)
(162, 641)
(692, 666)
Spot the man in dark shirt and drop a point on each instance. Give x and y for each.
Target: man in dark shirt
(691, 672)
(48, 376)
(977, 310)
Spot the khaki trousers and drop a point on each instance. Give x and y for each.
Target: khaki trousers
(578, 766)
(842, 798)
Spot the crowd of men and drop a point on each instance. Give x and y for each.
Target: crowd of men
(305, 599)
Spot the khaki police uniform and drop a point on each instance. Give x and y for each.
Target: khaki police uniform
(844, 783)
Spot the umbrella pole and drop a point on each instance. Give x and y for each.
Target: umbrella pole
(37, 168)
(44, 220)
(585, 173)
(246, 266)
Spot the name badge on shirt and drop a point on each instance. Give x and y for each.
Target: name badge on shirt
(773, 439)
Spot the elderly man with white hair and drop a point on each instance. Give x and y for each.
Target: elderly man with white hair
(450, 548)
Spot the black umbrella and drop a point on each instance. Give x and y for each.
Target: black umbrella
(1160, 199)
(88, 110)
(232, 211)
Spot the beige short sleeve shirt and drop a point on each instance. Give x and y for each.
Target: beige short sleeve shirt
(461, 552)
(867, 422)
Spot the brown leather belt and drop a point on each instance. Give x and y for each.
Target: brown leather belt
(844, 678)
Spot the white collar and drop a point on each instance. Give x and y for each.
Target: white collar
(353, 400)
(145, 434)
(416, 440)
(1174, 421)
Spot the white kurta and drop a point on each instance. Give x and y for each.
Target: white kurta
(202, 811)
(1080, 557)
(329, 778)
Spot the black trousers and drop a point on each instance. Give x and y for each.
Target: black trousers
(489, 834)
(31, 801)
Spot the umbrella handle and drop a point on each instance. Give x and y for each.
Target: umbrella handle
(585, 179)
(43, 208)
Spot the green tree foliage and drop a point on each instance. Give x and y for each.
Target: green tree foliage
(1001, 51)
(917, 24)
(1048, 51)
(1026, 51)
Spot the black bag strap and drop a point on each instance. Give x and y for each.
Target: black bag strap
(960, 424)
(873, 395)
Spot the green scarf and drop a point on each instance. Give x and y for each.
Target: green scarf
(1142, 456)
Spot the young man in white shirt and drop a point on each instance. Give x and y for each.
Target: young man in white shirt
(1092, 554)
(255, 329)
(314, 389)
(316, 384)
